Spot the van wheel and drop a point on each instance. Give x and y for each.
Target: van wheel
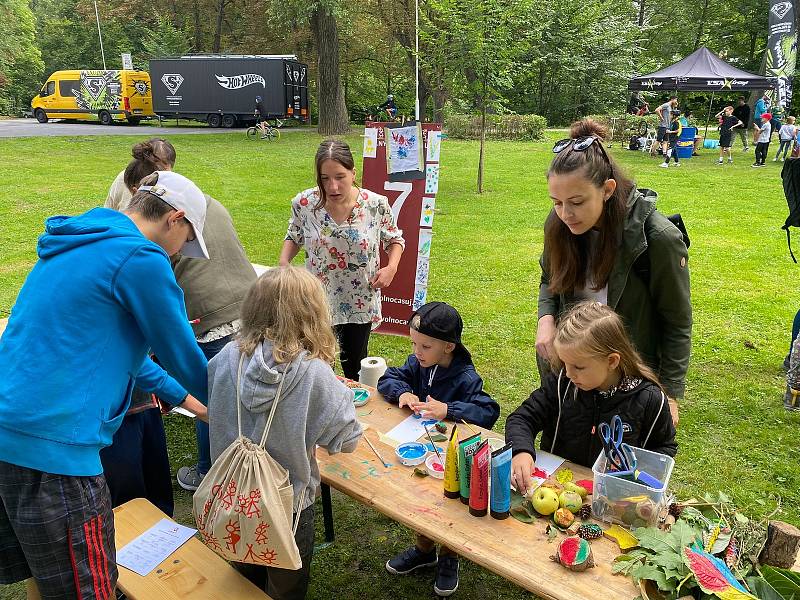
(228, 121)
(40, 115)
(105, 117)
(134, 120)
(214, 120)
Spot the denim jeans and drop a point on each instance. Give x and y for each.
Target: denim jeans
(210, 350)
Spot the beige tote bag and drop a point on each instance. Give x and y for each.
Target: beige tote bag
(243, 507)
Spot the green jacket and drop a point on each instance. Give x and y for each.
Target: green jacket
(658, 314)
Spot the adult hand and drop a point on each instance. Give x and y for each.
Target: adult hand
(383, 278)
(673, 409)
(545, 334)
(407, 399)
(431, 409)
(521, 468)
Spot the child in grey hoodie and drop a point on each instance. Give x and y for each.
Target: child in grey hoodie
(286, 333)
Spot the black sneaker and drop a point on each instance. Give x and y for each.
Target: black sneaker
(411, 560)
(446, 575)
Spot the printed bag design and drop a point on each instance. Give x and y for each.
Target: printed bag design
(243, 507)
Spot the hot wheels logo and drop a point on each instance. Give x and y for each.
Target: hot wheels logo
(237, 82)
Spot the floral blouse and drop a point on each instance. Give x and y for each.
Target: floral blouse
(345, 257)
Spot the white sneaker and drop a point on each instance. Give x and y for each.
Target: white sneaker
(719, 162)
(664, 165)
(775, 159)
(677, 164)
(730, 161)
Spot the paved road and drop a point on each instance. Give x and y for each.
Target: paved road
(31, 128)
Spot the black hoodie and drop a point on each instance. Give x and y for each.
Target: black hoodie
(459, 386)
(569, 420)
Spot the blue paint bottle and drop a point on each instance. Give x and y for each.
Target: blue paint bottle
(501, 483)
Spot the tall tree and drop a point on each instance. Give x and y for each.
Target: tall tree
(21, 63)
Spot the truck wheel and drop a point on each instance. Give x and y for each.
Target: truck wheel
(105, 117)
(40, 115)
(228, 121)
(134, 120)
(214, 120)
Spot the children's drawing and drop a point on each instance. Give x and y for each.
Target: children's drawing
(431, 179)
(422, 271)
(434, 146)
(420, 293)
(404, 149)
(425, 237)
(426, 214)
(370, 142)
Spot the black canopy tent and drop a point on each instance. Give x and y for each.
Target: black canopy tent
(702, 70)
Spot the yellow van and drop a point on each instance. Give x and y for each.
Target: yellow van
(88, 95)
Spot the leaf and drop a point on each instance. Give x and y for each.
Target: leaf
(722, 541)
(761, 588)
(652, 573)
(420, 472)
(520, 513)
(785, 582)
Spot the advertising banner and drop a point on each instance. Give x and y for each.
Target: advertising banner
(781, 49)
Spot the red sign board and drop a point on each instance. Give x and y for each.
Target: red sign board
(412, 201)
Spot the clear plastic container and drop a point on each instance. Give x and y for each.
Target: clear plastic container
(632, 504)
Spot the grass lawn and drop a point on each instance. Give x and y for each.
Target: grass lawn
(734, 435)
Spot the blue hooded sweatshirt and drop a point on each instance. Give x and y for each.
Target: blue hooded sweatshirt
(459, 386)
(76, 343)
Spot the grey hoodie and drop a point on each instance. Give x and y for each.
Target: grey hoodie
(315, 409)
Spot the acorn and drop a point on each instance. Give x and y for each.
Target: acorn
(585, 512)
(675, 509)
(590, 531)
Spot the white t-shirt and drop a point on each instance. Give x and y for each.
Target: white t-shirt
(119, 196)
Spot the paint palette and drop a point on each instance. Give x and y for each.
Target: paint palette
(435, 466)
(360, 396)
(411, 454)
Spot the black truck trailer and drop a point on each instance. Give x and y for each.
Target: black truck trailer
(221, 90)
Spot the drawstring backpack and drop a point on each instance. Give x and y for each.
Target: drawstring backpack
(243, 507)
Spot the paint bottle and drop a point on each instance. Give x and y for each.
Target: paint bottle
(466, 448)
(501, 482)
(451, 487)
(479, 481)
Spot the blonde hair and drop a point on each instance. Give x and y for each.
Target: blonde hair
(288, 307)
(594, 329)
(790, 120)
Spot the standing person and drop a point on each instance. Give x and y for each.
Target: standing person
(761, 106)
(101, 294)
(673, 135)
(742, 112)
(286, 347)
(727, 125)
(605, 240)
(762, 139)
(156, 153)
(787, 135)
(342, 227)
(664, 113)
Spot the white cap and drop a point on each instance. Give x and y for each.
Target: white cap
(181, 194)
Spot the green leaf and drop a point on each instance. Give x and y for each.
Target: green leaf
(785, 582)
(520, 513)
(655, 574)
(761, 588)
(723, 539)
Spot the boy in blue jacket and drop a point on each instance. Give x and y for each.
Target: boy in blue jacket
(101, 294)
(438, 381)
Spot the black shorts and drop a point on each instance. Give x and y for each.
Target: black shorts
(661, 135)
(726, 139)
(59, 530)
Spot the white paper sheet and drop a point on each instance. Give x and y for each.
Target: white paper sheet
(404, 149)
(144, 553)
(410, 430)
(434, 145)
(370, 142)
(179, 410)
(549, 463)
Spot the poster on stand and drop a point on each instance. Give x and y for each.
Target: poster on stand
(398, 168)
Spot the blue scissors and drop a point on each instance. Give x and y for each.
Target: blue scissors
(611, 435)
(633, 473)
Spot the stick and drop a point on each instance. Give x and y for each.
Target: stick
(428, 433)
(471, 428)
(385, 464)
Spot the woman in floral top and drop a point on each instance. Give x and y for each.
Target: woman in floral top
(341, 226)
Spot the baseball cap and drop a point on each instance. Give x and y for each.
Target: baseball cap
(181, 194)
(766, 116)
(441, 321)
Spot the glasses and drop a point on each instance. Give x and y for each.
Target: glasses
(580, 145)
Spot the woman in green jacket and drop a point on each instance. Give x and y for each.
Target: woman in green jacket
(605, 240)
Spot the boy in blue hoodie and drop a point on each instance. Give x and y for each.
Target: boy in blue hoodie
(438, 381)
(101, 294)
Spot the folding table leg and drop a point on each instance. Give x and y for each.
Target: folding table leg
(327, 512)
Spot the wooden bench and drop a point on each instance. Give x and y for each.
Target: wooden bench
(193, 571)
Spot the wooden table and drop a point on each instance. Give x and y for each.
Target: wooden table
(517, 551)
(193, 571)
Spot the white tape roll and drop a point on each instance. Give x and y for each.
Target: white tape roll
(372, 368)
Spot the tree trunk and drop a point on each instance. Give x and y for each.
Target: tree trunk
(218, 29)
(439, 99)
(781, 548)
(333, 118)
(641, 13)
(700, 25)
(483, 133)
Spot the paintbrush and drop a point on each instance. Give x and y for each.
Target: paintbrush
(385, 464)
(471, 428)
(435, 449)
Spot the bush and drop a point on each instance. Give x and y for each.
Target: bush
(498, 127)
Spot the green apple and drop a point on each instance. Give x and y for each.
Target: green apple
(578, 489)
(572, 501)
(544, 501)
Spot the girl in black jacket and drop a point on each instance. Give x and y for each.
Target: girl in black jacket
(600, 375)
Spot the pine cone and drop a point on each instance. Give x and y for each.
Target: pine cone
(590, 531)
(675, 509)
(585, 512)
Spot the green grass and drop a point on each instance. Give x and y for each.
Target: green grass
(734, 435)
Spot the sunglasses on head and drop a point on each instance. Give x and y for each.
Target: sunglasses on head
(578, 144)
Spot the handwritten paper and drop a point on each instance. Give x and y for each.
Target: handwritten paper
(144, 553)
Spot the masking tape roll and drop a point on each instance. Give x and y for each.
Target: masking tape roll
(372, 368)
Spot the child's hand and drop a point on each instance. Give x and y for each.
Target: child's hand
(407, 399)
(432, 409)
(521, 468)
